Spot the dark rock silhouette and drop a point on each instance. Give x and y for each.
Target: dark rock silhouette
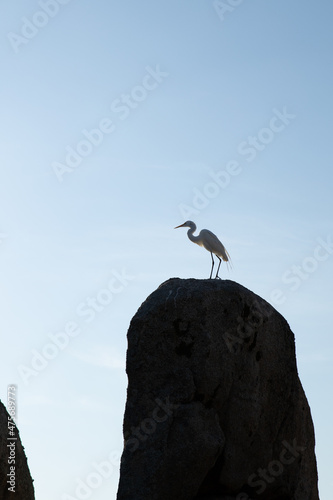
(215, 408)
(12, 455)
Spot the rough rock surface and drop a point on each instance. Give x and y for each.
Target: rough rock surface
(13, 449)
(215, 409)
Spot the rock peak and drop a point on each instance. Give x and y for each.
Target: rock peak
(215, 408)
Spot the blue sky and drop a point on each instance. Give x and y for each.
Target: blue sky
(183, 97)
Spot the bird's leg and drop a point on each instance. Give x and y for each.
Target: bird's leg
(218, 267)
(211, 272)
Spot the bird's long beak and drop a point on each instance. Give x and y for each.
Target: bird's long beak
(181, 225)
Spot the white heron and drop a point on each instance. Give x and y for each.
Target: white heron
(210, 242)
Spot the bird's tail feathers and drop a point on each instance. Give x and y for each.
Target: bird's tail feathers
(227, 259)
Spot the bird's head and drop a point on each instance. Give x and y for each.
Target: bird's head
(188, 223)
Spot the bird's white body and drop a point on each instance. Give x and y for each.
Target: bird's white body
(209, 241)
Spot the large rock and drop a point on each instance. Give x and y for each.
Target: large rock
(14, 483)
(215, 408)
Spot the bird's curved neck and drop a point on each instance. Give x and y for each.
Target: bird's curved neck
(191, 235)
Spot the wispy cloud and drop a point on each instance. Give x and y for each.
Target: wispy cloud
(102, 356)
(315, 357)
